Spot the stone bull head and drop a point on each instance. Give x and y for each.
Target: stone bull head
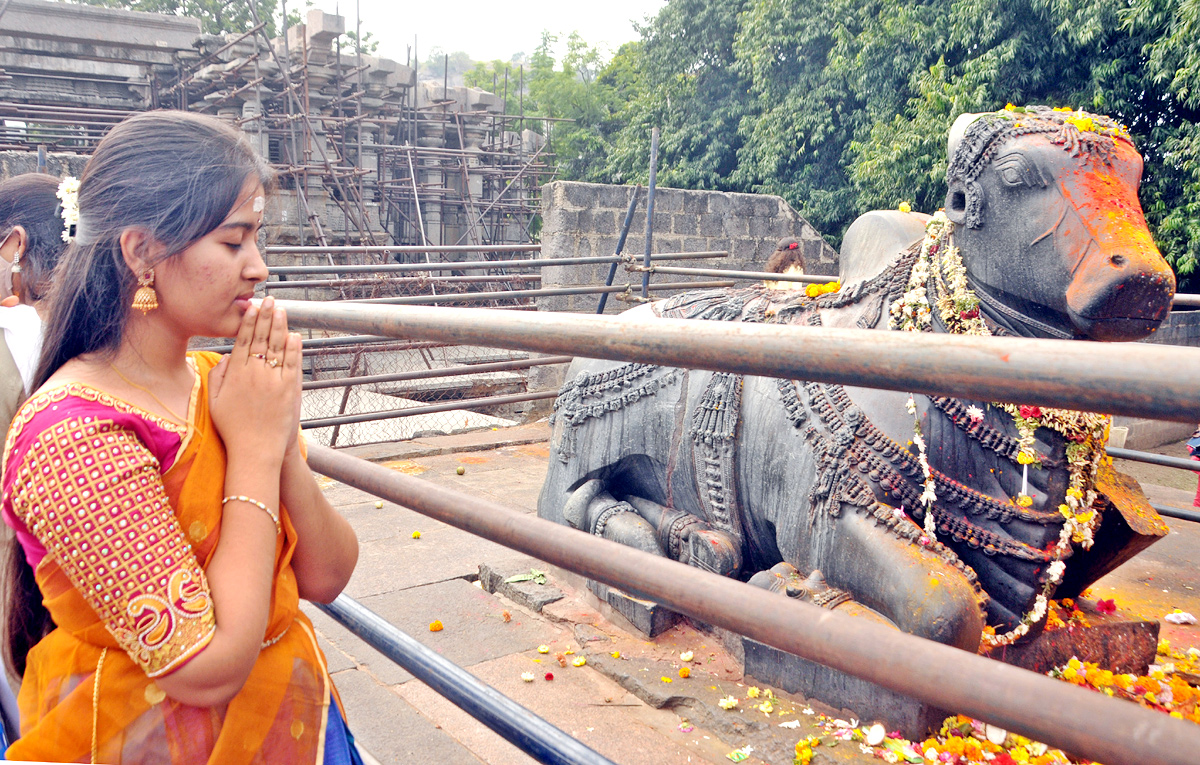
(1050, 226)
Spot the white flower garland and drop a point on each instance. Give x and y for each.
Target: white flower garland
(68, 194)
(1086, 432)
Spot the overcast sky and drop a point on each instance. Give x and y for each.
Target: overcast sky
(489, 30)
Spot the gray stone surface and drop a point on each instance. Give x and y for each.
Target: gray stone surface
(493, 577)
(474, 629)
(389, 727)
(584, 219)
(647, 617)
(839, 690)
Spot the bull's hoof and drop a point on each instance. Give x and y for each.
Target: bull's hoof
(785, 579)
(714, 551)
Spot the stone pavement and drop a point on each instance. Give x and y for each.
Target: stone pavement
(412, 582)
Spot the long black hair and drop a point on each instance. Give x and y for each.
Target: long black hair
(172, 175)
(30, 200)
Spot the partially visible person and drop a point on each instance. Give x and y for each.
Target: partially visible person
(168, 523)
(31, 241)
(788, 258)
(1193, 447)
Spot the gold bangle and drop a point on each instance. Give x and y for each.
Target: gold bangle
(259, 505)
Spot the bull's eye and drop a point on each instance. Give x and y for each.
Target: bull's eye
(1016, 170)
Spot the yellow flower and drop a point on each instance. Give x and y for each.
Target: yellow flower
(543, 649)
(1164, 647)
(579, 662)
(1009, 107)
(435, 626)
(1025, 458)
(752, 692)
(1084, 124)
(1076, 493)
(905, 207)
(665, 679)
(416, 535)
(812, 290)
(685, 672)
(616, 654)
(1024, 500)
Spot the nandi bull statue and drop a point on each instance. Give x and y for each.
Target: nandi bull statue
(955, 520)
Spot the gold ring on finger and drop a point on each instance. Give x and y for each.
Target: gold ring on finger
(272, 363)
(262, 356)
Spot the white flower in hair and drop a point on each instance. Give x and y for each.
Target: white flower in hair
(68, 194)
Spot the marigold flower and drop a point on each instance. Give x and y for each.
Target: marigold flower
(752, 692)
(685, 672)
(436, 626)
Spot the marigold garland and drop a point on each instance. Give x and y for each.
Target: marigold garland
(1086, 432)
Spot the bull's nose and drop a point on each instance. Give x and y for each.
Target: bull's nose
(1121, 296)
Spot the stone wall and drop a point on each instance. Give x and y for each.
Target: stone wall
(58, 164)
(584, 219)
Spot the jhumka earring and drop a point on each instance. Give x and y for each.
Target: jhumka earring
(145, 299)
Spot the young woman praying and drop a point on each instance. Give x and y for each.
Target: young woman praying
(160, 497)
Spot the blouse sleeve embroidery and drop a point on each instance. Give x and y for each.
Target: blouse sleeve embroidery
(92, 493)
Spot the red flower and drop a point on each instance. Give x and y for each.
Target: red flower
(1106, 606)
(1003, 758)
(1030, 412)
(971, 314)
(549, 675)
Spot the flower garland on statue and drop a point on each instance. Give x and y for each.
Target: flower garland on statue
(1086, 433)
(68, 195)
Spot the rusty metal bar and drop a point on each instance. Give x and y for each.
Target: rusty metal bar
(650, 208)
(612, 270)
(397, 281)
(346, 419)
(1080, 722)
(1072, 374)
(454, 371)
(729, 274)
(396, 249)
(458, 297)
(475, 265)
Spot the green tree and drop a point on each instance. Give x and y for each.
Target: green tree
(682, 79)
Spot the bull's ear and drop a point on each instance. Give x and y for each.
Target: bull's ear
(956, 202)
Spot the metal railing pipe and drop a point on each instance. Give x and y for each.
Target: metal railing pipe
(425, 374)
(1154, 459)
(476, 265)
(516, 724)
(1070, 374)
(467, 403)
(583, 289)
(740, 275)
(1082, 723)
(1186, 300)
(310, 343)
(1177, 512)
(417, 249)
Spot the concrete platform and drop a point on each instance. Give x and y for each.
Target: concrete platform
(621, 706)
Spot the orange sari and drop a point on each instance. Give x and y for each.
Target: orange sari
(88, 690)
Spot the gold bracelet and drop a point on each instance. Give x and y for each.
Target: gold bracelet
(259, 505)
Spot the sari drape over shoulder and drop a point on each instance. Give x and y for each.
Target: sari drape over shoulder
(119, 512)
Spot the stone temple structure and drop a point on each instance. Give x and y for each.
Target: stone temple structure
(367, 153)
